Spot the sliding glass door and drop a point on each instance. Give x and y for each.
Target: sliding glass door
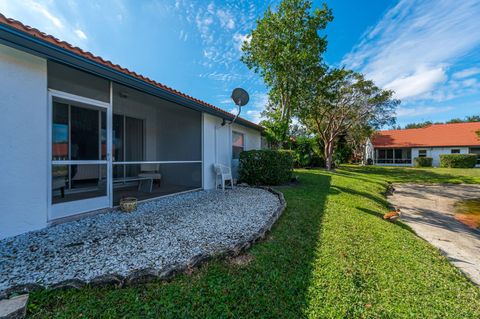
(80, 168)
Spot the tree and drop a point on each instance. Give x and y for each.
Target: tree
(471, 118)
(342, 100)
(418, 125)
(284, 46)
(357, 138)
(275, 129)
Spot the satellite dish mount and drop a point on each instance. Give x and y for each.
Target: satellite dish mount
(240, 98)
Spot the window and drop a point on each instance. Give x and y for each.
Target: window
(78, 133)
(238, 144)
(455, 151)
(422, 153)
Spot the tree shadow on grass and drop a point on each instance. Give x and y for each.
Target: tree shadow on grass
(378, 199)
(274, 285)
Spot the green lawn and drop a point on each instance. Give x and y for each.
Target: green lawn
(330, 255)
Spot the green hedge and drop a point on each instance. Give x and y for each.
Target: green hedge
(422, 161)
(458, 160)
(265, 167)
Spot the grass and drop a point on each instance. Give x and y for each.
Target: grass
(330, 255)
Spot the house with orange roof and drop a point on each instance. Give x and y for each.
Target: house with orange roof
(400, 147)
(79, 133)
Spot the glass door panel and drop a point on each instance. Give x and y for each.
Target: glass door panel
(80, 163)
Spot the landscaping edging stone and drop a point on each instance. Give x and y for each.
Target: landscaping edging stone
(149, 274)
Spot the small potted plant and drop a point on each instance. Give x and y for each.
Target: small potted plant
(128, 204)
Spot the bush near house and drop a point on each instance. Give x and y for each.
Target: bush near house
(422, 161)
(458, 160)
(266, 167)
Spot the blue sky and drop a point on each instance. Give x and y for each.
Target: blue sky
(427, 51)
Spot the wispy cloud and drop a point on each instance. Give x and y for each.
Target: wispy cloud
(413, 46)
(259, 101)
(47, 17)
(220, 76)
(467, 72)
(226, 19)
(46, 14)
(183, 35)
(239, 39)
(80, 34)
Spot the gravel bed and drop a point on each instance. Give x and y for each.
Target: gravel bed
(158, 235)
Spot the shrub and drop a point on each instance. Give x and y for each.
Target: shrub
(265, 167)
(305, 152)
(458, 160)
(422, 161)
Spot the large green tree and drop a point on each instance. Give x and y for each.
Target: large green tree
(340, 101)
(284, 47)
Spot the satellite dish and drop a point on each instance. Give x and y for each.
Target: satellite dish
(240, 97)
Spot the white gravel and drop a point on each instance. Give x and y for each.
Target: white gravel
(161, 233)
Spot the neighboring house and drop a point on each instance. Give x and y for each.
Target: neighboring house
(79, 133)
(400, 147)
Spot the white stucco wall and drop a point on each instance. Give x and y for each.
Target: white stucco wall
(23, 140)
(369, 151)
(435, 152)
(222, 154)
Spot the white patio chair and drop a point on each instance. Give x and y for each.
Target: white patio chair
(224, 173)
(151, 171)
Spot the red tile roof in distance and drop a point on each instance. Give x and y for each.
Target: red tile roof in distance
(436, 135)
(76, 50)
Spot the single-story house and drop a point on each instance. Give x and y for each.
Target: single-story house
(400, 147)
(79, 133)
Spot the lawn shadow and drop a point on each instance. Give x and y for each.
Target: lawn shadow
(378, 199)
(288, 258)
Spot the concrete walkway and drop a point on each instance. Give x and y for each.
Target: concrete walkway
(428, 210)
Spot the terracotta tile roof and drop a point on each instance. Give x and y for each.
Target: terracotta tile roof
(436, 135)
(76, 50)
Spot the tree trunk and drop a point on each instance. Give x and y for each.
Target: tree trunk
(328, 152)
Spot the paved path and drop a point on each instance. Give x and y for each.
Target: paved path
(428, 210)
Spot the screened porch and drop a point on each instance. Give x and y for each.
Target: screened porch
(109, 141)
(393, 156)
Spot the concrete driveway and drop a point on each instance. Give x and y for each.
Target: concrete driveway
(428, 210)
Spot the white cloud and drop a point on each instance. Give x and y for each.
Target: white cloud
(46, 13)
(226, 19)
(258, 103)
(80, 34)
(239, 39)
(466, 73)
(203, 25)
(220, 76)
(412, 47)
(47, 16)
(183, 35)
(211, 8)
(422, 110)
(423, 80)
